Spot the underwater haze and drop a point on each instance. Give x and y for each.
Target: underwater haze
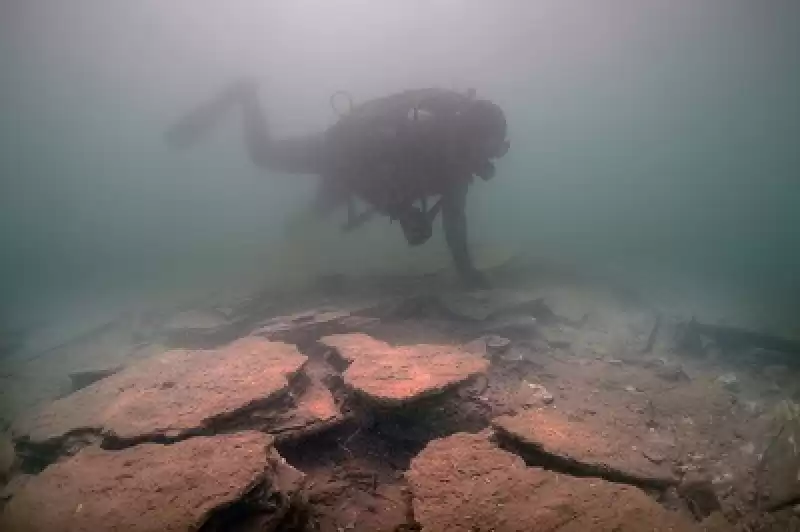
(655, 141)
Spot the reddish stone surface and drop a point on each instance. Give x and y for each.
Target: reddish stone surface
(172, 394)
(590, 446)
(6, 455)
(465, 483)
(151, 487)
(396, 375)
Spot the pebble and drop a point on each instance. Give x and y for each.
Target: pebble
(729, 382)
(672, 373)
(541, 393)
(725, 478)
(496, 345)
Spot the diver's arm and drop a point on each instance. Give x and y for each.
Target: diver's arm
(454, 220)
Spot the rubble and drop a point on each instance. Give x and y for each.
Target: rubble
(211, 483)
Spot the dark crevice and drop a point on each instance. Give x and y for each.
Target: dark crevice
(535, 457)
(260, 509)
(778, 506)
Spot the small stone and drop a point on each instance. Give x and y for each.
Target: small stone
(672, 373)
(752, 407)
(748, 448)
(540, 394)
(631, 389)
(729, 382)
(615, 362)
(723, 479)
(496, 345)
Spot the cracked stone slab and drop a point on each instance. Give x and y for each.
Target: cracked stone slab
(582, 447)
(465, 483)
(314, 410)
(393, 376)
(178, 393)
(152, 487)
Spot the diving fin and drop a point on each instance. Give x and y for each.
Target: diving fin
(192, 127)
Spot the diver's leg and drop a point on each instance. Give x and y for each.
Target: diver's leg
(354, 220)
(197, 123)
(294, 155)
(297, 155)
(454, 221)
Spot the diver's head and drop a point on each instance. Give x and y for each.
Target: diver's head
(417, 228)
(483, 124)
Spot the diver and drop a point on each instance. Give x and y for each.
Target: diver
(394, 153)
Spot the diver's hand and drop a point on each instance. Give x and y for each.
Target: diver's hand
(475, 280)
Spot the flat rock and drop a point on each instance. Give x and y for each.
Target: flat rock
(83, 378)
(307, 327)
(202, 329)
(178, 393)
(152, 487)
(396, 375)
(465, 483)
(583, 447)
(495, 305)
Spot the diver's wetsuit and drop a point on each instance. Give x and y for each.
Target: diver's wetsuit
(390, 152)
